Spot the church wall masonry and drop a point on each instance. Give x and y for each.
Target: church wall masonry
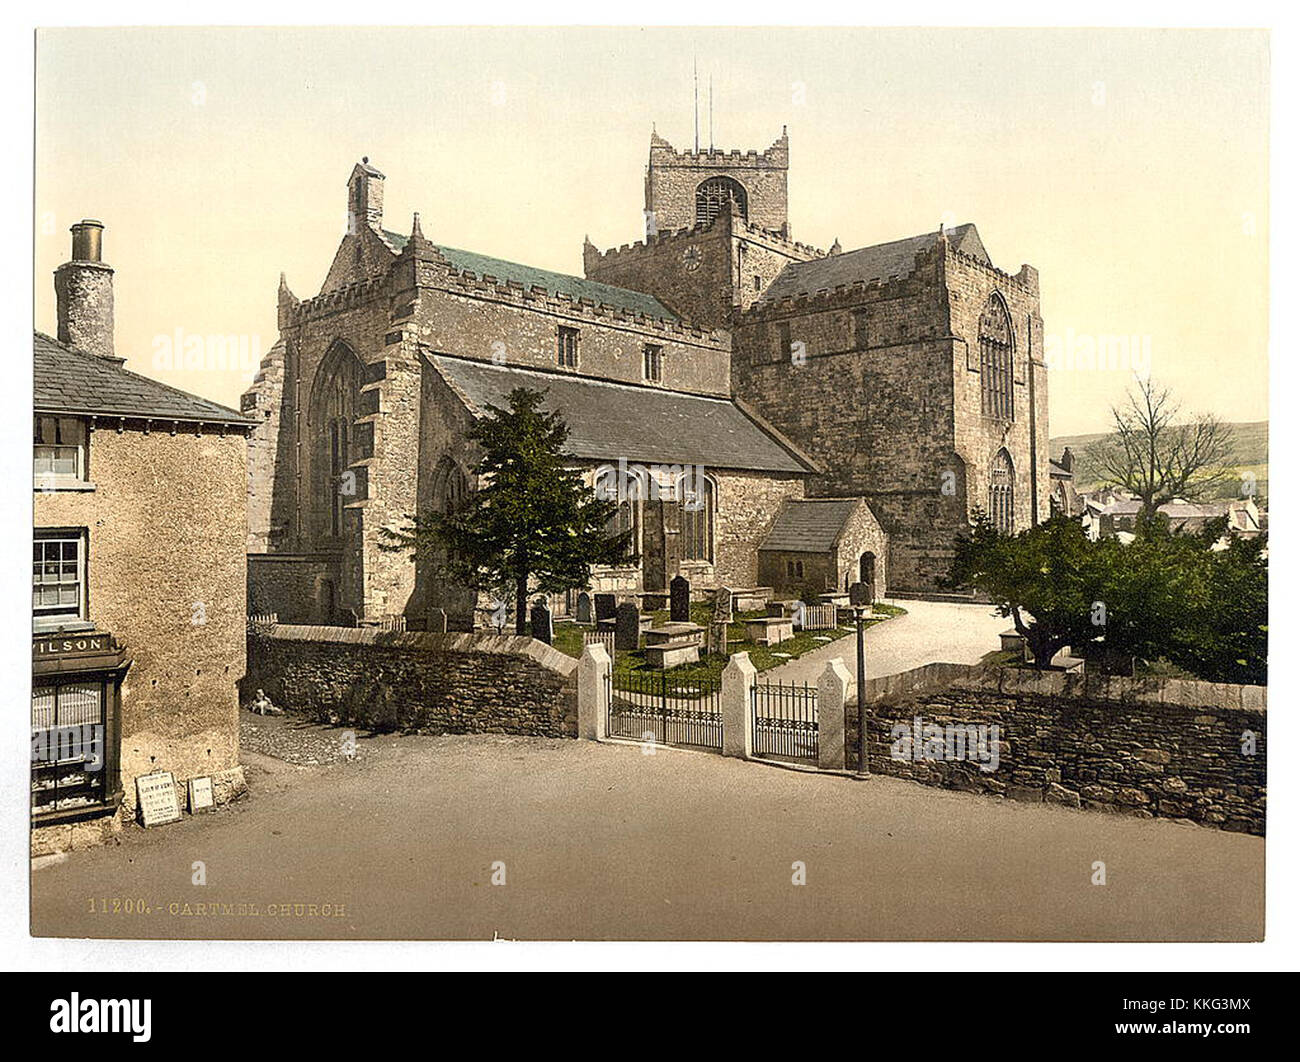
(882, 398)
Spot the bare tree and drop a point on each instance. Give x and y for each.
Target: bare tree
(1158, 456)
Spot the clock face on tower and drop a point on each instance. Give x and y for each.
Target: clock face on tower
(691, 258)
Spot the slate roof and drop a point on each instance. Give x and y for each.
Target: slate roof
(556, 283)
(68, 380)
(810, 525)
(879, 262)
(610, 420)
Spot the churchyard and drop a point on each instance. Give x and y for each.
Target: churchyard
(569, 640)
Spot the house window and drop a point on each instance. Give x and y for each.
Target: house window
(860, 337)
(697, 500)
(997, 348)
(794, 569)
(58, 580)
(59, 452)
(653, 359)
(566, 348)
(1002, 496)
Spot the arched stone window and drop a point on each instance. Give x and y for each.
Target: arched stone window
(997, 349)
(1002, 493)
(332, 412)
(629, 497)
(712, 196)
(450, 486)
(697, 497)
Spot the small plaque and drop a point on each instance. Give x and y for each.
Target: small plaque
(156, 795)
(201, 798)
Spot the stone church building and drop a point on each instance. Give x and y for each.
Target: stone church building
(713, 375)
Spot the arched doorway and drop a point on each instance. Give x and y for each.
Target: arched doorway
(867, 573)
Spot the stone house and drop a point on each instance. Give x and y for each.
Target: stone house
(138, 573)
(824, 545)
(908, 374)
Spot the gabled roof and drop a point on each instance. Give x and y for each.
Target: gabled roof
(68, 380)
(882, 261)
(556, 283)
(810, 525)
(608, 420)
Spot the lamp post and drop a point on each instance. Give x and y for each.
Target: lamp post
(860, 599)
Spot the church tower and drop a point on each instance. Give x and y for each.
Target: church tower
(684, 189)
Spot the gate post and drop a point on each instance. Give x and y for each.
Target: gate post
(832, 696)
(594, 673)
(737, 710)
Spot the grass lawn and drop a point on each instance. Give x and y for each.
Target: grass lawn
(568, 639)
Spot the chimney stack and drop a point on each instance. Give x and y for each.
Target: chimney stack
(84, 290)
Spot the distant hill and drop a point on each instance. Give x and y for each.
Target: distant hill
(1250, 444)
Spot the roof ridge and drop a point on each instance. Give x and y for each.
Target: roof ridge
(225, 413)
(561, 374)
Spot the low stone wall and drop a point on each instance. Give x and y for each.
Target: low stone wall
(416, 682)
(1165, 747)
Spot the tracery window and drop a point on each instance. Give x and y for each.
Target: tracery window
(1002, 494)
(997, 349)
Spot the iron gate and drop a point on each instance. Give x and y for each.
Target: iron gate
(650, 706)
(784, 718)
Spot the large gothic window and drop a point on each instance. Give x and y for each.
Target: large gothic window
(1002, 494)
(331, 416)
(697, 499)
(712, 196)
(997, 348)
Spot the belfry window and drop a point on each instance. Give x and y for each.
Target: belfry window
(712, 197)
(997, 349)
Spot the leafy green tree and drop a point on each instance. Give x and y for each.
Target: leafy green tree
(1044, 578)
(1166, 595)
(533, 527)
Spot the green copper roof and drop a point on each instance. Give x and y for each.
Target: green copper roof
(556, 283)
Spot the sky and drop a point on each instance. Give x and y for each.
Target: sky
(1128, 166)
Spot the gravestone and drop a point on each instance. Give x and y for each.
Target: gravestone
(716, 638)
(775, 608)
(540, 616)
(627, 627)
(606, 607)
(436, 621)
(583, 611)
(722, 605)
(679, 592)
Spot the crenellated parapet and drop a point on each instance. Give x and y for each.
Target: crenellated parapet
(775, 157)
(539, 299)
